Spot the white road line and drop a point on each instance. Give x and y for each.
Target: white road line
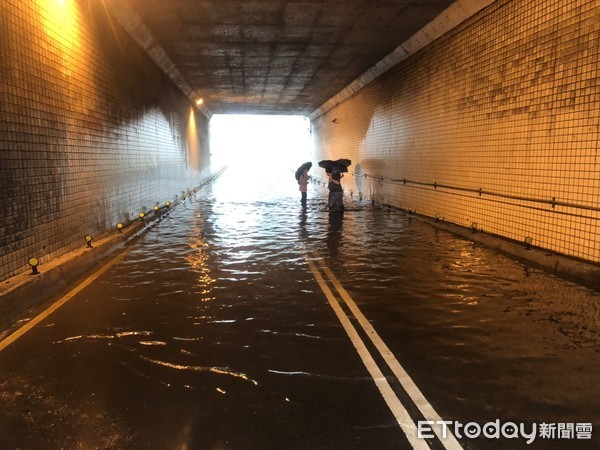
(398, 410)
(449, 441)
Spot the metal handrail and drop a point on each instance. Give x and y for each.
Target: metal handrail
(553, 202)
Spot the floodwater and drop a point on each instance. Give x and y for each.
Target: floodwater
(212, 333)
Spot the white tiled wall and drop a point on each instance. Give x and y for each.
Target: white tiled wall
(91, 132)
(509, 103)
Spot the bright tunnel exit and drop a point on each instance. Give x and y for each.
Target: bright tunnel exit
(260, 143)
(261, 152)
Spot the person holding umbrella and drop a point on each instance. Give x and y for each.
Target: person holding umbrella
(336, 193)
(302, 176)
(334, 170)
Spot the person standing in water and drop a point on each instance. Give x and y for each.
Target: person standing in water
(303, 185)
(336, 193)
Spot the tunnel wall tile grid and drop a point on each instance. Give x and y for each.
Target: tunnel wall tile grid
(509, 102)
(91, 131)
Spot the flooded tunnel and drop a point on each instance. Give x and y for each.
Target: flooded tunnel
(244, 320)
(164, 286)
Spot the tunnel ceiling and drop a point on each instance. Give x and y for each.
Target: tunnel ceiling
(278, 56)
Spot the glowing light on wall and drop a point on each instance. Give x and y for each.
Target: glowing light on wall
(61, 30)
(60, 22)
(193, 142)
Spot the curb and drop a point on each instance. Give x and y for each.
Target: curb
(25, 291)
(581, 272)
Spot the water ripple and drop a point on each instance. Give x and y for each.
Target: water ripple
(216, 370)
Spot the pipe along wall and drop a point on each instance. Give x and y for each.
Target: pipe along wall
(495, 123)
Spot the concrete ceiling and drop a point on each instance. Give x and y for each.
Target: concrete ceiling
(277, 56)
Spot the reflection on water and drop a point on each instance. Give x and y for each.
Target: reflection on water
(198, 261)
(335, 232)
(222, 287)
(217, 370)
(215, 308)
(242, 235)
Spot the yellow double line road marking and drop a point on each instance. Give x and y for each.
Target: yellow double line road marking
(319, 268)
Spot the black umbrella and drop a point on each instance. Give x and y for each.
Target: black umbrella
(302, 168)
(341, 165)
